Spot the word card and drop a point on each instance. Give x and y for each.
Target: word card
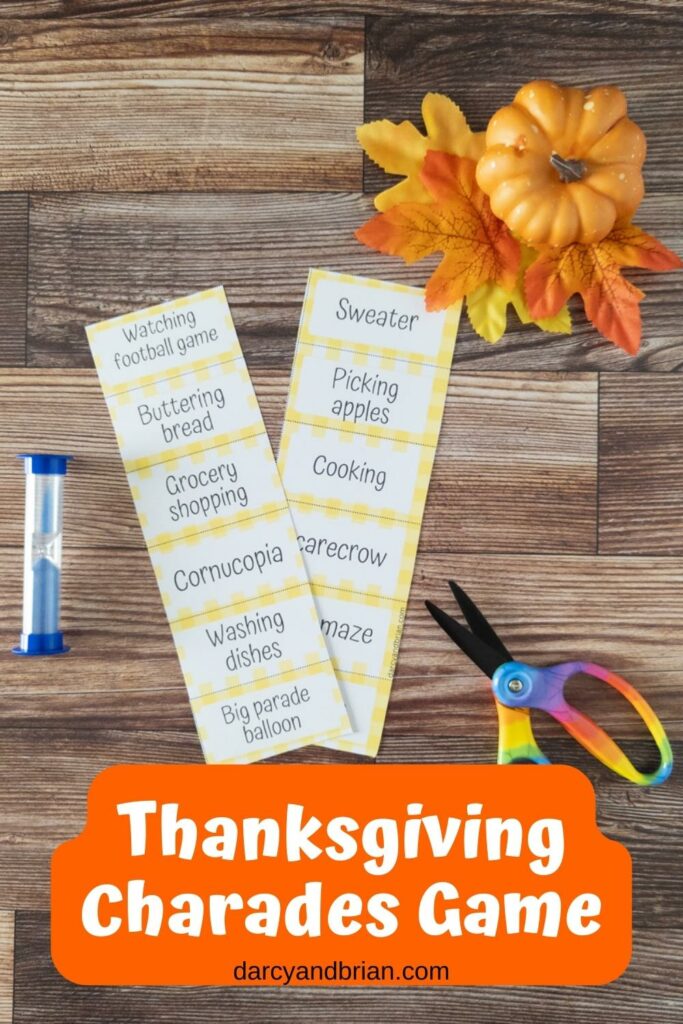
(366, 399)
(218, 529)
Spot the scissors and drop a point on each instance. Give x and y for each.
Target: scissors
(518, 688)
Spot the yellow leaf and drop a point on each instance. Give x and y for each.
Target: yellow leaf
(487, 311)
(487, 308)
(447, 128)
(561, 323)
(401, 148)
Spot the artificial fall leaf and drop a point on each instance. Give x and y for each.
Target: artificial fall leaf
(594, 271)
(401, 148)
(476, 246)
(487, 312)
(487, 307)
(560, 323)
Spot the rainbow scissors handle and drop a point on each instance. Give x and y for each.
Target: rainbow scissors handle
(518, 688)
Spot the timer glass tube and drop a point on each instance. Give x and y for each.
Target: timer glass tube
(40, 632)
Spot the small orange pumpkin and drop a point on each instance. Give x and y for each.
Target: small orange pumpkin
(563, 165)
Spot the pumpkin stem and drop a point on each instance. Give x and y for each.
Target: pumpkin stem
(568, 170)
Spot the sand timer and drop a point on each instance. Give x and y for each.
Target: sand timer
(40, 632)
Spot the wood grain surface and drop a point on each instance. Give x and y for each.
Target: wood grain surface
(516, 467)
(155, 147)
(641, 470)
(13, 259)
(80, 9)
(625, 612)
(95, 256)
(177, 105)
(6, 965)
(481, 57)
(83, 748)
(650, 987)
(648, 994)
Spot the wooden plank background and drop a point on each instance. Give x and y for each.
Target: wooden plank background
(180, 104)
(153, 147)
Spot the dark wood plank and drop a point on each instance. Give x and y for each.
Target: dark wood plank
(626, 613)
(77, 9)
(512, 508)
(649, 993)
(125, 693)
(6, 965)
(53, 767)
(481, 58)
(641, 473)
(95, 256)
(181, 104)
(528, 440)
(13, 260)
(516, 465)
(98, 508)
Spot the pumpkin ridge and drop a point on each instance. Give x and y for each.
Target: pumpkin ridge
(532, 119)
(574, 173)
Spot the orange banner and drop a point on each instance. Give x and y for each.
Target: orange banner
(341, 875)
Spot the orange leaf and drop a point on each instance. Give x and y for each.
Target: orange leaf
(477, 247)
(594, 271)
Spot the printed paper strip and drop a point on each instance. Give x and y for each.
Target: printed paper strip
(218, 529)
(365, 404)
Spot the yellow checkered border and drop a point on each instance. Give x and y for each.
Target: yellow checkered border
(369, 744)
(149, 383)
(254, 678)
(268, 748)
(173, 456)
(215, 371)
(158, 557)
(221, 448)
(253, 441)
(312, 664)
(258, 679)
(443, 357)
(295, 588)
(356, 671)
(315, 663)
(420, 487)
(428, 436)
(217, 292)
(219, 527)
(404, 576)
